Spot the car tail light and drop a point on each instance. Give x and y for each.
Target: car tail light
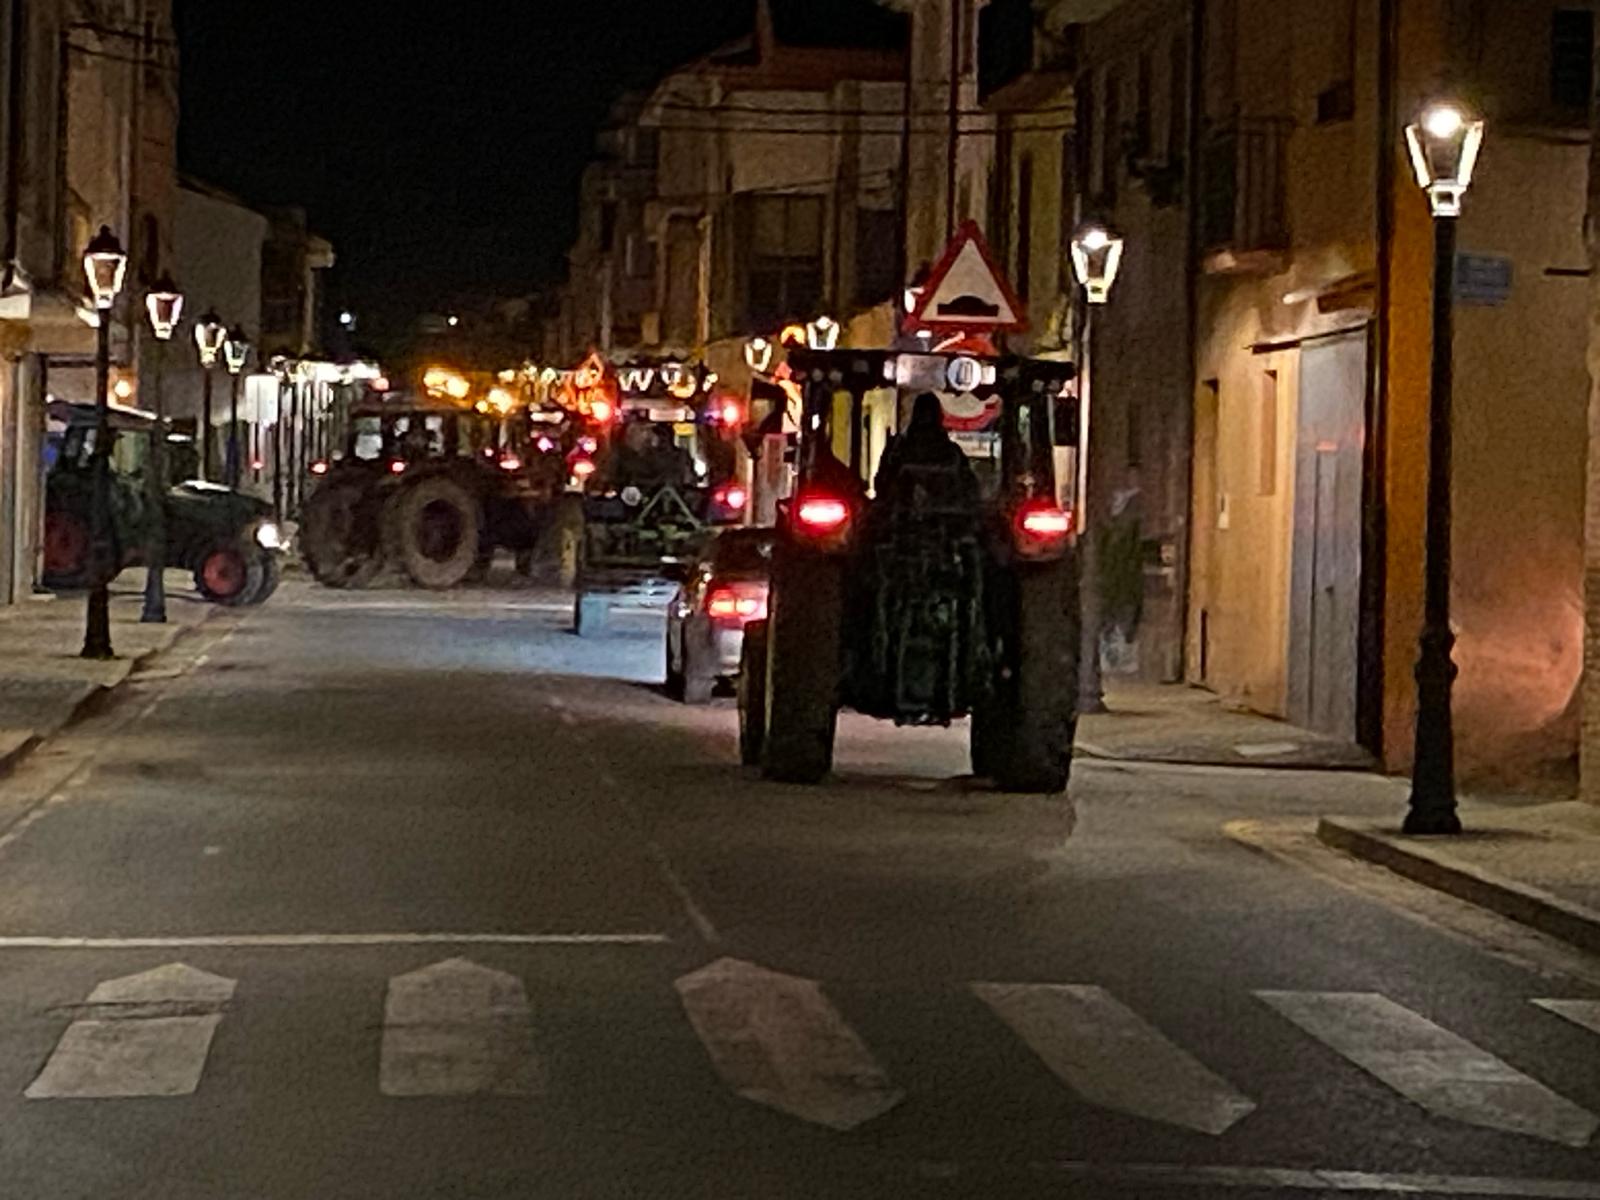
(730, 413)
(583, 468)
(511, 463)
(319, 467)
(736, 604)
(820, 514)
(1042, 526)
(546, 445)
(396, 466)
(731, 496)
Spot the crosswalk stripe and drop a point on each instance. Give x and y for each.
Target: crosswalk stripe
(454, 1029)
(1112, 1057)
(149, 1035)
(776, 1040)
(1579, 1012)
(1432, 1067)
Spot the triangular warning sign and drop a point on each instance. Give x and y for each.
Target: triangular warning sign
(967, 291)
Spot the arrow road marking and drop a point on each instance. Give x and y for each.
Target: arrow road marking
(1430, 1066)
(1112, 1057)
(1579, 1012)
(457, 1029)
(149, 1036)
(776, 1040)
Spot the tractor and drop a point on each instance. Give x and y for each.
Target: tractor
(948, 589)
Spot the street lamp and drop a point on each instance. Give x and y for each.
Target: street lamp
(1096, 256)
(209, 335)
(1444, 143)
(235, 353)
(165, 306)
(104, 265)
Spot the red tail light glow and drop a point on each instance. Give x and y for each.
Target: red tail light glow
(730, 413)
(511, 463)
(600, 410)
(396, 467)
(731, 496)
(735, 604)
(583, 468)
(1045, 521)
(319, 467)
(821, 514)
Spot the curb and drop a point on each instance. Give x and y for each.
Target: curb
(1102, 753)
(94, 695)
(1420, 862)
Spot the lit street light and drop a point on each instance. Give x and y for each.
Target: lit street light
(165, 306)
(104, 264)
(1444, 144)
(235, 352)
(209, 335)
(1096, 255)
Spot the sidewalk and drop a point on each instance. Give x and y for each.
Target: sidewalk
(45, 686)
(1536, 864)
(1175, 723)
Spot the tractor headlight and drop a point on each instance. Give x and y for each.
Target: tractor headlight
(268, 536)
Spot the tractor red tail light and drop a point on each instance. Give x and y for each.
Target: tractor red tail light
(735, 604)
(320, 467)
(583, 468)
(1042, 527)
(731, 497)
(396, 467)
(819, 515)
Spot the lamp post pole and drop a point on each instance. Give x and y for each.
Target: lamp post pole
(1444, 145)
(209, 334)
(104, 263)
(165, 306)
(235, 351)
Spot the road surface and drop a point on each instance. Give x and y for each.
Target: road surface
(399, 895)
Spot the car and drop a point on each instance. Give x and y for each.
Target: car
(723, 590)
(228, 539)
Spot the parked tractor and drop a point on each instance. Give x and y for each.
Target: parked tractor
(950, 591)
(434, 490)
(226, 538)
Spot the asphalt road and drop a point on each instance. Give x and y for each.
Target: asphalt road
(393, 895)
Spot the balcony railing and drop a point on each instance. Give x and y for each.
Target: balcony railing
(1242, 193)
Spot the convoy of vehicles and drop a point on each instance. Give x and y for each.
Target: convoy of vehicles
(226, 538)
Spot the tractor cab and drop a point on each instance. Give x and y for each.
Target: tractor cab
(944, 585)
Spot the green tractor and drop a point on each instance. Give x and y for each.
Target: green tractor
(226, 538)
(951, 591)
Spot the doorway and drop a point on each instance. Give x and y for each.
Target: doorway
(1325, 576)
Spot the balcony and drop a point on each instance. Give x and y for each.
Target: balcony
(1243, 222)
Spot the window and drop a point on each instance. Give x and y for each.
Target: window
(877, 254)
(1023, 270)
(1110, 137)
(1571, 57)
(1267, 435)
(1178, 99)
(783, 276)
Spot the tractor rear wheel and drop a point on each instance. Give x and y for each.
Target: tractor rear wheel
(1022, 733)
(339, 534)
(66, 550)
(231, 574)
(805, 610)
(437, 530)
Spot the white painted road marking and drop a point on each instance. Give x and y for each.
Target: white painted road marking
(295, 940)
(776, 1040)
(151, 1039)
(1112, 1057)
(1430, 1066)
(1579, 1012)
(458, 1029)
(1274, 1179)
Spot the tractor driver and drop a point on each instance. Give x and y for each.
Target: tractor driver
(925, 443)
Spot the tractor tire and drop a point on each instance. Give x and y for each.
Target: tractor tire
(805, 612)
(66, 550)
(339, 535)
(1024, 737)
(673, 682)
(271, 577)
(753, 693)
(437, 530)
(559, 551)
(230, 574)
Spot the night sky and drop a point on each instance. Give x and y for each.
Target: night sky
(437, 146)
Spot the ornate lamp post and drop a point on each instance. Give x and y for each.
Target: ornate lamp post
(235, 353)
(209, 335)
(164, 305)
(1444, 143)
(1096, 256)
(104, 265)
